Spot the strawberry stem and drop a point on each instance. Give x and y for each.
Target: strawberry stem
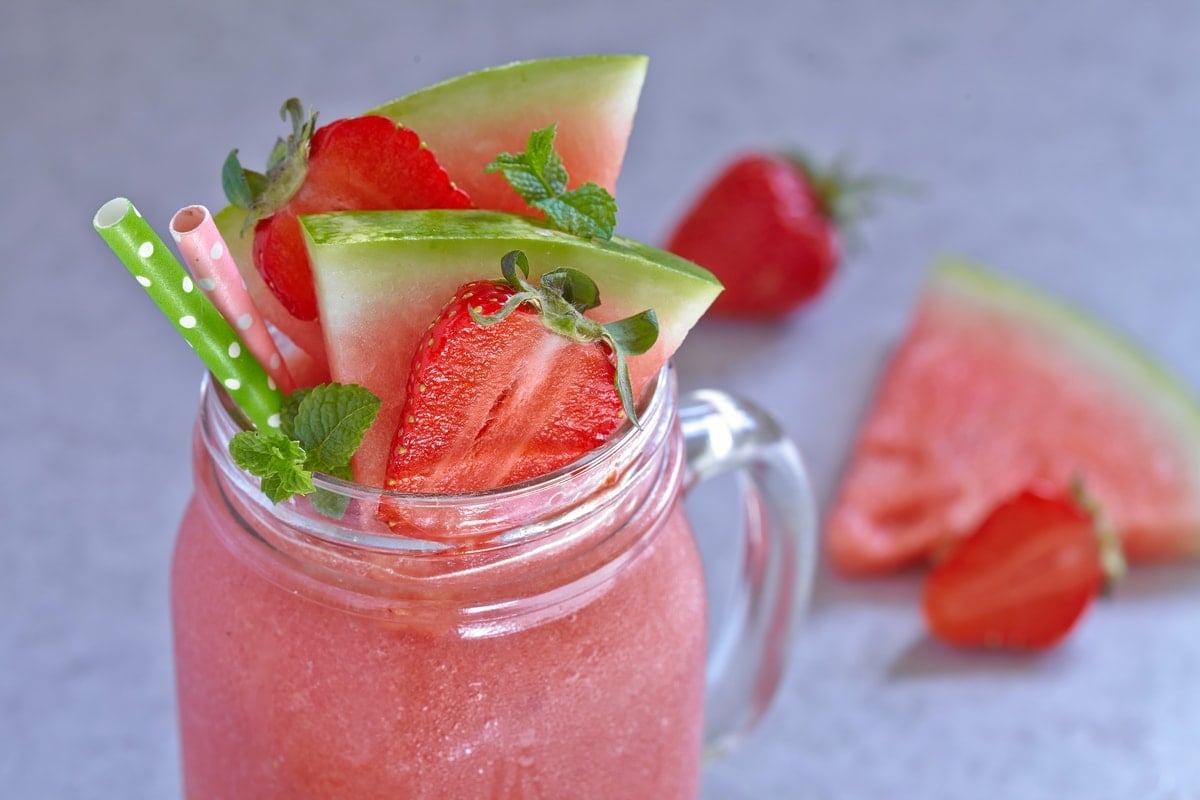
(561, 300)
(264, 194)
(1112, 554)
(843, 197)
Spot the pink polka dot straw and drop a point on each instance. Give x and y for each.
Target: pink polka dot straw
(207, 256)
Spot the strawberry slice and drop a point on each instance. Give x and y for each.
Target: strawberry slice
(355, 164)
(512, 381)
(1025, 577)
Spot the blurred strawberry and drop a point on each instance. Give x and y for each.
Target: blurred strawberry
(770, 227)
(1025, 577)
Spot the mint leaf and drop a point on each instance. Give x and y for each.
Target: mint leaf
(540, 152)
(320, 429)
(330, 504)
(538, 175)
(275, 458)
(288, 409)
(588, 211)
(330, 421)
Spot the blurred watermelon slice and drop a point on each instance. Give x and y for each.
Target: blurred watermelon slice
(996, 386)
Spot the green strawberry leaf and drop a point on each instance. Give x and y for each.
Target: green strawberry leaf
(512, 261)
(845, 196)
(579, 290)
(538, 175)
(264, 194)
(242, 186)
(561, 300)
(631, 336)
(634, 335)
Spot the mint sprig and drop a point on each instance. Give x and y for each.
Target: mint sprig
(275, 458)
(320, 430)
(560, 299)
(538, 175)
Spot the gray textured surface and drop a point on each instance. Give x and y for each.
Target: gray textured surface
(1057, 141)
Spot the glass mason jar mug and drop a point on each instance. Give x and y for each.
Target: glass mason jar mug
(545, 640)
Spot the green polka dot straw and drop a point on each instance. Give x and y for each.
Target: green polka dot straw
(194, 316)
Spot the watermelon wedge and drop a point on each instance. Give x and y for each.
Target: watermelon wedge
(995, 386)
(467, 121)
(381, 278)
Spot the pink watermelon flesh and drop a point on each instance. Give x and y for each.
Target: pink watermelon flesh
(994, 387)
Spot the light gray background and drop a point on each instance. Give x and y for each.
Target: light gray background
(1057, 141)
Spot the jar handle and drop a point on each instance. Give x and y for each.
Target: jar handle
(724, 434)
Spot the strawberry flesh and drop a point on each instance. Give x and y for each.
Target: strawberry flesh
(493, 405)
(1021, 580)
(356, 164)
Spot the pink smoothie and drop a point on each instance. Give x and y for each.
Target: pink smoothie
(284, 697)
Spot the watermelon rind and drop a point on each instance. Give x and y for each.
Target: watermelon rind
(1159, 392)
(556, 78)
(382, 276)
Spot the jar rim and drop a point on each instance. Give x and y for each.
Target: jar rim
(221, 418)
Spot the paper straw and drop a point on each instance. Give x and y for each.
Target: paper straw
(192, 314)
(205, 253)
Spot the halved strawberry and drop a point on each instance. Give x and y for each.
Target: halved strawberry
(354, 164)
(512, 381)
(1025, 576)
